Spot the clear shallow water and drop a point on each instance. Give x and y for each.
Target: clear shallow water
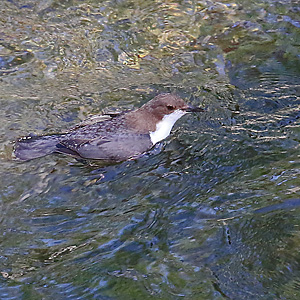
(211, 213)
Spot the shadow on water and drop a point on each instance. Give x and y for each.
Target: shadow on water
(286, 205)
(211, 212)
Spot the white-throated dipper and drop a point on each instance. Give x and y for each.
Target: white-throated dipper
(115, 138)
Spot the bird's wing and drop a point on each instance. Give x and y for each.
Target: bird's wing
(97, 119)
(112, 148)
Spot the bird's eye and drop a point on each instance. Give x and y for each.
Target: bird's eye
(170, 107)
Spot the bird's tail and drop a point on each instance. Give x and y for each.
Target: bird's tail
(36, 146)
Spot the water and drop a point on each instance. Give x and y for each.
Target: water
(210, 213)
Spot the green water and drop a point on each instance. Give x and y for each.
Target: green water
(210, 213)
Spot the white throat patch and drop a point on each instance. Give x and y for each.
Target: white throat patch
(163, 128)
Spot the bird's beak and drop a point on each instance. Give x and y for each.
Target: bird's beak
(191, 108)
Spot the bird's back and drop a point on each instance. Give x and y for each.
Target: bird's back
(109, 139)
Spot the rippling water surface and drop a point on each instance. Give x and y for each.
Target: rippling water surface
(210, 213)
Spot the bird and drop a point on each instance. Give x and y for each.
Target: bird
(112, 138)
